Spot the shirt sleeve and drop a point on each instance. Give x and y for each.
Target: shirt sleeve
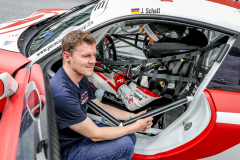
(68, 110)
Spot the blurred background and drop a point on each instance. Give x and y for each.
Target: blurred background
(11, 10)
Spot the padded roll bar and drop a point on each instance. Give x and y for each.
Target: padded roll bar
(152, 113)
(158, 111)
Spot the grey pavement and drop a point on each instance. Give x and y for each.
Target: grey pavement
(15, 9)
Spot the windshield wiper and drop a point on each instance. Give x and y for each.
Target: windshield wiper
(57, 17)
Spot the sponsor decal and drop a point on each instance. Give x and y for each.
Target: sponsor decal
(84, 97)
(130, 100)
(7, 43)
(49, 47)
(100, 5)
(120, 80)
(137, 97)
(140, 92)
(145, 11)
(47, 35)
(87, 24)
(135, 11)
(67, 30)
(123, 93)
(13, 35)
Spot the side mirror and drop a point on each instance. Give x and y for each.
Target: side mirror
(8, 85)
(33, 100)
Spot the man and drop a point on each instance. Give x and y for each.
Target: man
(79, 137)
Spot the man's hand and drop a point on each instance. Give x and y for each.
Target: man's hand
(140, 113)
(143, 124)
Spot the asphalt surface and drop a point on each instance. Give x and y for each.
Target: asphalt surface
(11, 10)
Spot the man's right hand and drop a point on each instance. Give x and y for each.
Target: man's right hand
(143, 124)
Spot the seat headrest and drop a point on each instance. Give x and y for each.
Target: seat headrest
(159, 50)
(171, 46)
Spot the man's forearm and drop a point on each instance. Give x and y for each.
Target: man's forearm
(115, 112)
(109, 133)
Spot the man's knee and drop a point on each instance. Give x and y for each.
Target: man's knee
(133, 138)
(126, 143)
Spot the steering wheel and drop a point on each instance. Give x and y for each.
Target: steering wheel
(107, 49)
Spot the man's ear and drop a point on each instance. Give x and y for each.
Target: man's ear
(66, 56)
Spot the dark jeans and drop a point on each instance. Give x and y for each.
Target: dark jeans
(118, 149)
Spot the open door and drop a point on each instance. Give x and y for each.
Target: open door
(38, 125)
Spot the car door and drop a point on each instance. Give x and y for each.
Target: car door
(28, 126)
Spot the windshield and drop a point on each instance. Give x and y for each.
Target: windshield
(52, 31)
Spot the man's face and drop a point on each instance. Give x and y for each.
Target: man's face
(83, 59)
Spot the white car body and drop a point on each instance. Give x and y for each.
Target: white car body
(174, 140)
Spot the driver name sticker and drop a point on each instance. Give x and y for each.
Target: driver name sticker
(145, 11)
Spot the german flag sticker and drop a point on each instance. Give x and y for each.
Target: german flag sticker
(135, 11)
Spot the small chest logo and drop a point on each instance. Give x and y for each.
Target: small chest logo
(84, 98)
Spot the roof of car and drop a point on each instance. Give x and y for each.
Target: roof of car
(213, 12)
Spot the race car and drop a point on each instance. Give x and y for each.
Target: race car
(187, 50)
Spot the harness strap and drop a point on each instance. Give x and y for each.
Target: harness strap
(185, 68)
(141, 72)
(176, 68)
(183, 73)
(171, 66)
(129, 69)
(178, 87)
(153, 82)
